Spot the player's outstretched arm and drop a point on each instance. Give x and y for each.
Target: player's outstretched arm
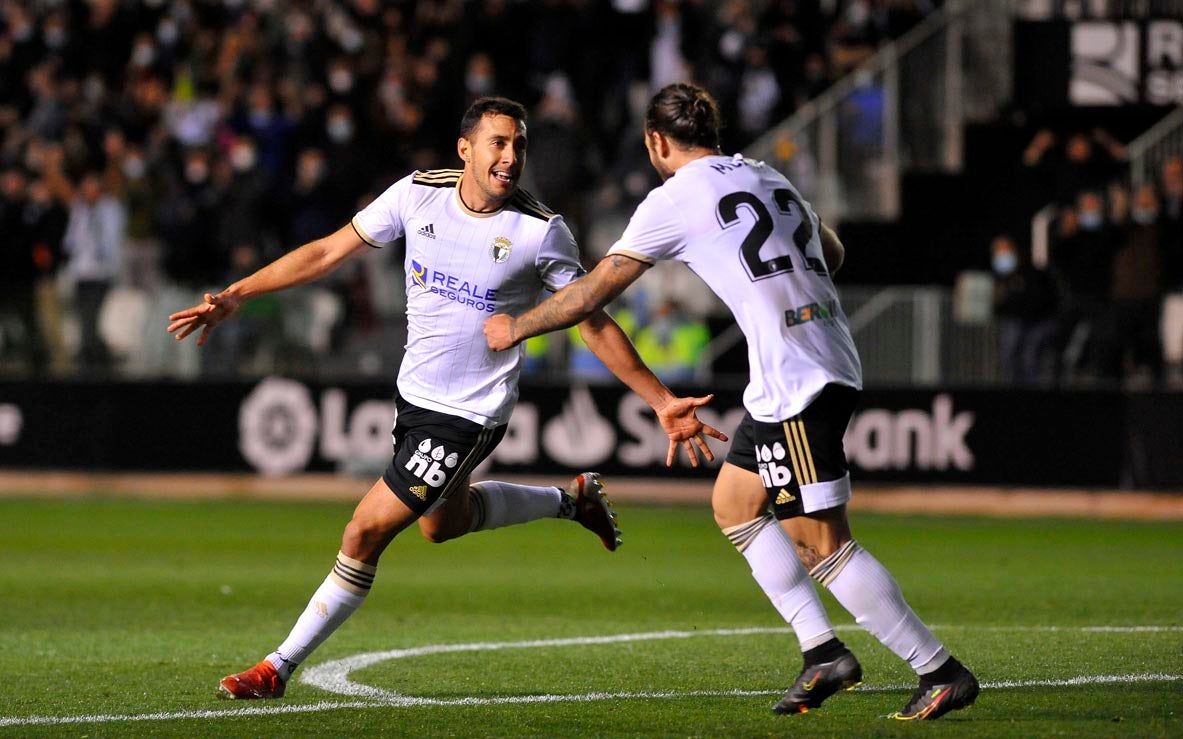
(297, 267)
(568, 306)
(677, 415)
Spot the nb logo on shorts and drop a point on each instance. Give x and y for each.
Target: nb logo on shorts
(772, 473)
(425, 464)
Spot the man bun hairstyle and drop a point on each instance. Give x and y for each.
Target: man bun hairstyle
(484, 106)
(687, 114)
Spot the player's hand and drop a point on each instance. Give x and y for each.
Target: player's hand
(213, 310)
(679, 419)
(499, 332)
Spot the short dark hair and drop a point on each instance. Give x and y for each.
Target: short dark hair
(685, 113)
(484, 106)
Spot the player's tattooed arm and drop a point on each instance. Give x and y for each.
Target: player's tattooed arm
(568, 306)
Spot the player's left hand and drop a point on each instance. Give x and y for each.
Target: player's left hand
(499, 332)
(679, 419)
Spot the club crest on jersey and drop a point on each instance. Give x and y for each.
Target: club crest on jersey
(500, 249)
(772, 473)
(425, 463)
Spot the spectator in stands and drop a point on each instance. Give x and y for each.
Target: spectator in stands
(1171, 224)
(1025, 310)
(18, 301)
(93, 245)
(564, 163)
(1171, 221)
(1088, 160)
(1081, 260)
(1130, 343)
(375, 86)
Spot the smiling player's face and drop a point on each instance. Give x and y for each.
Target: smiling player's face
(494, 157)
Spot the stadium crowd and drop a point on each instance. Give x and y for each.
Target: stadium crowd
(154, 149)
(1107, 307)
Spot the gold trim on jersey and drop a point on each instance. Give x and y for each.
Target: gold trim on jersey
(475, 213)
(437, 177)
(365, 236)
(799, 451)
(530, 205)
(632, 255)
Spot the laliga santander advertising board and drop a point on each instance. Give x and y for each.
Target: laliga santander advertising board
(283, 426)
(286, 426)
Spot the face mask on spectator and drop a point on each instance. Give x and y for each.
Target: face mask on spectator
(1090, 220)
(1144, 216)
(167, 32)
(22, 33)
(55, 38)
(340, 130)
(478, 84)
(242, 158)
(93, 88)
(340, 81)
(134, 168)
(1004, 262)
(143, 55)
(351, 40)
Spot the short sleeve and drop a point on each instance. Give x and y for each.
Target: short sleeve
(655, 231)
(381, 222)
(558, 256)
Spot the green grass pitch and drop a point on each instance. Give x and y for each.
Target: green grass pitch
(120, 616)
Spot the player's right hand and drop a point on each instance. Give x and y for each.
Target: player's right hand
(209, 313)
(499, 332)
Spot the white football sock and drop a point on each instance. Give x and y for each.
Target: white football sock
(783, 578)
(865, 588)
(342, 593)
(496, 504)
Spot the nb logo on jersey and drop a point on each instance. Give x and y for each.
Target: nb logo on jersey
(428, 231)
(772, 473)
(425, 463)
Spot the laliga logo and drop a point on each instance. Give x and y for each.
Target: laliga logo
(771, 473)
(425, 463)
(279, 427)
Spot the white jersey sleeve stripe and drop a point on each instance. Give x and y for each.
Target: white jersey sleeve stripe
(365, 236)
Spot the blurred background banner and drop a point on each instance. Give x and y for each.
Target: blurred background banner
(282, 426)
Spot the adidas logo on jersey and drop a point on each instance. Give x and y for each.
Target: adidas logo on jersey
(428, 231)
(772, 473)
(419, 491)
(784, 496)
(425, 463)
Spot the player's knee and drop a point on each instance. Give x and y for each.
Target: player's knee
(731, 509)
(436, 535)
(437, 532)
(362, 539)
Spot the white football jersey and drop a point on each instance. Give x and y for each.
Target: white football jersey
(747, 232)
(462, 266)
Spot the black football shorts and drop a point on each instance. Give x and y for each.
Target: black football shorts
(434, 453)
(801, 461)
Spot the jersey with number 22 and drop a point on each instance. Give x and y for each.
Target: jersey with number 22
(746, 231)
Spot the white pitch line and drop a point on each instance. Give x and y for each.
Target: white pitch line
(409, 702)
(333, 676)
